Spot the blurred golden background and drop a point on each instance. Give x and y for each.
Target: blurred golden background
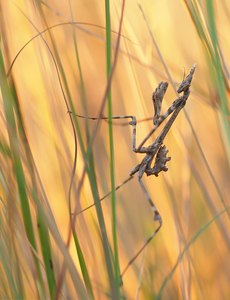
(167, 40)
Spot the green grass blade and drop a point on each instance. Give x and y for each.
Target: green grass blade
(84, 270)
(219, 79)
(111, 147)
(42, 227)
(212, 47)
(17, 165)
(46, 252)
(82, 262)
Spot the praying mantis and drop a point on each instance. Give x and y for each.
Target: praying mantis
(155, 155)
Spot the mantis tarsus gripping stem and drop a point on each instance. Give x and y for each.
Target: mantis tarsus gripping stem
(156, 150)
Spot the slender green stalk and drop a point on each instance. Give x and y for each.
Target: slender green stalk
(111, 146)
(82, 262)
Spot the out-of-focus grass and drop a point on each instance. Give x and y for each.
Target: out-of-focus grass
(47, 175)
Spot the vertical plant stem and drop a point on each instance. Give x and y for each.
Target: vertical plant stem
(111, 146)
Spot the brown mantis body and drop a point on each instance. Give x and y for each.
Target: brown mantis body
(157, 150)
